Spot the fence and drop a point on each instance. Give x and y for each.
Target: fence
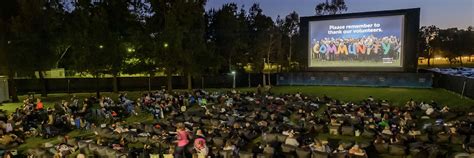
(458, 84)
(416, 80)
(74, 85)
(461, 85)
(3, 89)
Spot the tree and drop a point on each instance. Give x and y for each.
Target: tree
(335, 7)
(456, 43)
(34, 31)
(263, 38)
(8, 10)
(180, 30)
(226, 31)
(428, 35)
(145, 44)
(120, 22)
(96, 50)
(289, 28)
(194, 44)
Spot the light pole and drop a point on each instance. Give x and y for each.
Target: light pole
(233, 81)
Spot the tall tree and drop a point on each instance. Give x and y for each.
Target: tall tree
(456, 43)
(180, 26)
(428, 35)
(34, 29)
(289, 28)
(331, 8)
(120, 22)
(8, 10)
(263, 38)
(145, 44)
(226, 31)
(94, 49)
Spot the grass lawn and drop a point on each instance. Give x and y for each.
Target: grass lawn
(397, 96)
(36, 142)
(58, 97)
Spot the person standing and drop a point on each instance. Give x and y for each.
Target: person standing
(181, 141)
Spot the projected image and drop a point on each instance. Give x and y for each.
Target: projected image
(359, 42)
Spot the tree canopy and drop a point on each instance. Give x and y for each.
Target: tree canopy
(175, 37)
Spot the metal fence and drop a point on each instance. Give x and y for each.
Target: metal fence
(458, 84)
(3, 89)
(415, 80)
(74, 85)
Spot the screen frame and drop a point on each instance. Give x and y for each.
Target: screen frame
(409, 35)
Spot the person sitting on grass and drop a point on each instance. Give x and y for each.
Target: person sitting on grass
(229, 146)
(200, 144)
(291, 140)
(379, 140)
(39, 104)
(357, 151)
(268, 149)
(397, 139)
(340, 149)
(318, 146)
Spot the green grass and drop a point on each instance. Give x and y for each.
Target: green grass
(396, 96)
(141, 118)
(58, 97)
(36, 142)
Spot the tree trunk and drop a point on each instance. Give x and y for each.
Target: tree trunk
(44, 88)
(190, 81)
(115, 83)
(429, 58)
(269, 79)
(97, 88)
(202, 82)
(230, 63)
(460, 60)
(12, 87)
(248, 77)
(150, 76)
(264, 83)
(289, 56)
(169, 78)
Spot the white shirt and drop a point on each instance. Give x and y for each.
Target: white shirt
(291, 141)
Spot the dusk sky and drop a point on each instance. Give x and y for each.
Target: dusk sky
(442, 13)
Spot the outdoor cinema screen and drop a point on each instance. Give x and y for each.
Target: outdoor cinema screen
(356, 42)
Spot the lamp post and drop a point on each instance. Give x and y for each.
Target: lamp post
(233, 81)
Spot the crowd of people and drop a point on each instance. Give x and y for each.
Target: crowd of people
(368, 48)
(237, 124)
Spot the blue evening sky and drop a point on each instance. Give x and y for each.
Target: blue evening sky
(442, 13)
